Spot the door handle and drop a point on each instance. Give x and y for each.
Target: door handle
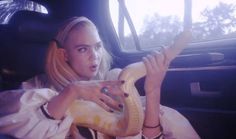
(196, 90)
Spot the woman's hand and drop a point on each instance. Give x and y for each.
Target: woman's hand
(156, 66)
(101, 92)
(87, 90)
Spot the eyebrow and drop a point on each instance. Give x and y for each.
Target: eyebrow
(86, 45)
(81, 45)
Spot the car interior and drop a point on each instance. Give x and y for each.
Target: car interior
(200, 82)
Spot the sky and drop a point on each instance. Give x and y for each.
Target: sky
(138, 9)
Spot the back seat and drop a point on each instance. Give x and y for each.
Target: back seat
(23, 46)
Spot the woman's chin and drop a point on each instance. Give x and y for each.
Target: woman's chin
(89, 76)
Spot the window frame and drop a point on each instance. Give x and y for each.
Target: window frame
(187, 24)
(124, 14)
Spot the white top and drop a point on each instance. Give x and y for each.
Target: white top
(21, 117)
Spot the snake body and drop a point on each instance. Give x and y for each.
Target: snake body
(127, 122)
(130, 120)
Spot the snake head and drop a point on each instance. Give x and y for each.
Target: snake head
(180, 42)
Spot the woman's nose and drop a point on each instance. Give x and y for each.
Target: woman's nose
(94, 53)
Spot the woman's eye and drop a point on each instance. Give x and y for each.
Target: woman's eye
(82, 49)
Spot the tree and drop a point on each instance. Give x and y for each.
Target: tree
(157, 31)
(219, 21)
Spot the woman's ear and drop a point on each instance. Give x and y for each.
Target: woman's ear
(63, 53)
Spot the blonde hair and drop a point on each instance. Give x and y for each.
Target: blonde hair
(59, 72)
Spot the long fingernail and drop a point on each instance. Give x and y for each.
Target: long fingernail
(102, 100)
(120, 106)
(126, 95)
(111, 111)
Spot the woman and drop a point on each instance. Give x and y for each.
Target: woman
(76, 64)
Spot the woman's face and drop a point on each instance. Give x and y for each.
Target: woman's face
(83, 51)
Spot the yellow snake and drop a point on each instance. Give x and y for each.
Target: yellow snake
(130, 120)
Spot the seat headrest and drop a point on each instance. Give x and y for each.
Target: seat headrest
(33, 26)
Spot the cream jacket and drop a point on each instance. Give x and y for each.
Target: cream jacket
(21, 116)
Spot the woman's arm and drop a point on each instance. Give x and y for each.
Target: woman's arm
(156, 66)
(86, 90)
(27, 120)
(152, 127)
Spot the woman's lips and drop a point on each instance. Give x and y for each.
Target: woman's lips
(94, 68)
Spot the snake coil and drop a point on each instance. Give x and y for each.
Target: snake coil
(130, 120)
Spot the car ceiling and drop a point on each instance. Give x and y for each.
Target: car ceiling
(67, 8)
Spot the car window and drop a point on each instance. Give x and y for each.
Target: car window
(9, 7)
(157, 22)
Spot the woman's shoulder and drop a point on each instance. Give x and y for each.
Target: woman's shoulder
(38, 81)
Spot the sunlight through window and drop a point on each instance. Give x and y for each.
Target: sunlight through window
(157, 22)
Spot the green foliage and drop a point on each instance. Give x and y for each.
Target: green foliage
(218, 23)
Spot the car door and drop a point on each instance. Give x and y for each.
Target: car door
(201, 81)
